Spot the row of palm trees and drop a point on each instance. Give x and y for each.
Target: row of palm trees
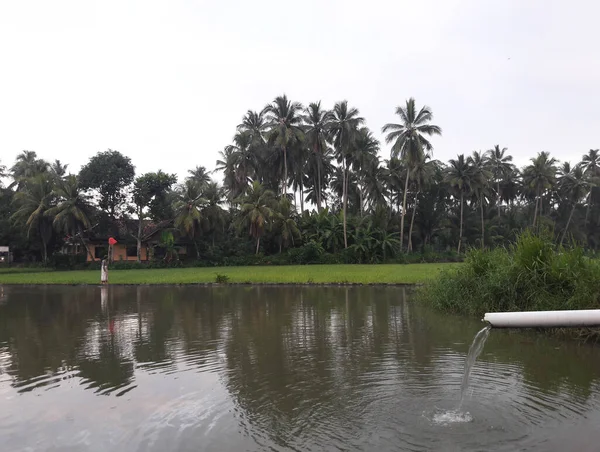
(291, 169)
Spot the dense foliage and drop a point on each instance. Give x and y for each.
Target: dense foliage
(302, 185)
(532, 274)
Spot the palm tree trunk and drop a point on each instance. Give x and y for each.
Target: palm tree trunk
(345, 202)
(498, 197)
(139, 237)
(462, 195)
(197, 249)
(535, 210)
(87, 249)
(284, 171)
(257, 244)
(318, 185)
(568, 222)
(587, 210)
(404, 207)
(412, 221)
(301, 195)
(360, 195)
(44, 250)
(482, 223)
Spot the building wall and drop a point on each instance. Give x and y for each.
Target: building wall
(119, 253)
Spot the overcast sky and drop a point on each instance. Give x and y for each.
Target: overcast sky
(166, 82)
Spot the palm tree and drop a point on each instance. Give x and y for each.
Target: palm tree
(199, 175)
(539, 177)
(285, 128)
(317, 125)
(409, 141)
(188, 207)
(58, 169)
(500, 166)
(344, 126)
(213, 215)
(255, 125)
(481, 176)
(422, 174)
(238, 163)
(573, 186)
(364, 160)
(591, 167)
(72, 213)
(33, 202)
(284, 224)
(459, 176)
(27, 165)
(256, 210)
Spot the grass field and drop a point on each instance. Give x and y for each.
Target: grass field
(293, 274)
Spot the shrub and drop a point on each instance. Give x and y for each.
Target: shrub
(221, 279)
(532, 274)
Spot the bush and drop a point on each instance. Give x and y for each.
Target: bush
(533, 274)
(309, 253)
(221, 279)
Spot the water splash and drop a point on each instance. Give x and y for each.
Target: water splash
(474, 352)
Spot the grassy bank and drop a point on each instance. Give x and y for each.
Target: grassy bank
(533, 274)
(293, 274)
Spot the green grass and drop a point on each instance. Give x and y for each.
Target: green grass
(293, 274)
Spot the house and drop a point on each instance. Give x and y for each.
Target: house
(124, 232)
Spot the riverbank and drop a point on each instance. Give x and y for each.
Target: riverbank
(289, 274)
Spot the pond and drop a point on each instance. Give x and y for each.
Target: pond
(238, 368)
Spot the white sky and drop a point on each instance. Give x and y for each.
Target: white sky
(166, 82)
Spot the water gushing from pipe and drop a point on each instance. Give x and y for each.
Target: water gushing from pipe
(474, 352)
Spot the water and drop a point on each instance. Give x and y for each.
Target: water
(474, 351)
(278, 369)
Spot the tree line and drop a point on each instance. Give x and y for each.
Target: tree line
(311, 180)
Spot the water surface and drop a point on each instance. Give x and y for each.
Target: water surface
(278, 369)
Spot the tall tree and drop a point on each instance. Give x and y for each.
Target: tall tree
(591, 167)
(200, 175)
(317, 126)
(284, 224)
(481, 177)
(573, 186)
(33, 203)
(72, 213)
(27, 165)
(422, 175)
(459, 177)
(256, 211)
(409, 140)
(285, 128)
(188, 207)
(500, 165)
(150, 199)
(344, 127)
(110, 174)
(540, 176)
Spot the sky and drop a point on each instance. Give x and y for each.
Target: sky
(166, 82)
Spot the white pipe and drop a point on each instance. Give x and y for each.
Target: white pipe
(544, 319)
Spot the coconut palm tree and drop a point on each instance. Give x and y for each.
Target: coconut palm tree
(481, 177)
(255, 125)
(591, 166)
(213, 215)
(33, 202)
(459, 176)
(72, 213)
(364, 161)
(499, 164)
(27, 165)
(345, 123)
(188, 207)
(422, 175)
(59, 169)
(199, 175)
(410, 142)
(573, 186)
(284, 225)
(285, 128)
(539, 177)
(256, 211)
(317, 126)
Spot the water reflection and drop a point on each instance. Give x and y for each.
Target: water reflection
(295, 368)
